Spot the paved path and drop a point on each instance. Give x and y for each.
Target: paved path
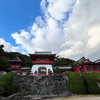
(80, 97)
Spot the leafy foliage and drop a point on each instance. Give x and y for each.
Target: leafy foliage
(2, 62)
(7, 78)
(28, 72)
(98, 77)
(75, 83)
(57, 70)
(62, 61)
(2, 89)
(91, 80)
(6, 86)
(10, 89)
(49, 71)
(5, 56)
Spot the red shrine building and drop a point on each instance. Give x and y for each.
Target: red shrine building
(85, 65)
(16, 65)
(42, 61)
(63, 68)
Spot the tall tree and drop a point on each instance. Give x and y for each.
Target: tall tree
(1, 57)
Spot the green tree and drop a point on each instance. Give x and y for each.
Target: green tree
(2, 67)
(28, 72)
(58, 61)
(49, 71)
(57, 70)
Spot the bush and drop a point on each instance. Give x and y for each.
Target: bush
(28, 72)
(6, 86)
(98, 78)
(91, 80)
(7, 78)
(75, 83)
(49, 71)
(2, 89)
(57, 70)
(10, 89)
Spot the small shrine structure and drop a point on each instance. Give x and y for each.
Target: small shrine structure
(16, 65)
(85, 65)
(42, 61)
(63, 68)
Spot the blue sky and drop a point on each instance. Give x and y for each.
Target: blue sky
(16, 15)
(69, 28)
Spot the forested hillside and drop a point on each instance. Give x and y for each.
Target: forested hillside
(5, 56)
(62, 61)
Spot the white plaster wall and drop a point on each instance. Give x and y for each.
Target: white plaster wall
(35, 68)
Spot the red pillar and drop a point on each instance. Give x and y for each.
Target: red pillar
(84, 68)
(91, 68)
(78, 69)
(97, 68)
(74, 69)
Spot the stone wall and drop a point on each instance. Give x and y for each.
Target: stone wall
(42, 85)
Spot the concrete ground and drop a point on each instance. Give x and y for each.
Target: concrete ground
(78, 97)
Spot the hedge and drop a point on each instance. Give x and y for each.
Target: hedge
(91, 81)
(7, 78)
(2, 89)
(75, 83)
(6, 86)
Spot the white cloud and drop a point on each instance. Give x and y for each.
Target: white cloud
(93, 44)
(72, 48)
(44, 38)
(72, 35)
(82, 26)
(8, 47)
(58, 8)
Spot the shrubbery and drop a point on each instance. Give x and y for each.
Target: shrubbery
(91, 80)
(10, 89)
(57, 70)
(7, 78)
(98, 77)
(75, 83)
(2, 89)
(28, 72)
(6, 86)
(50, 72)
